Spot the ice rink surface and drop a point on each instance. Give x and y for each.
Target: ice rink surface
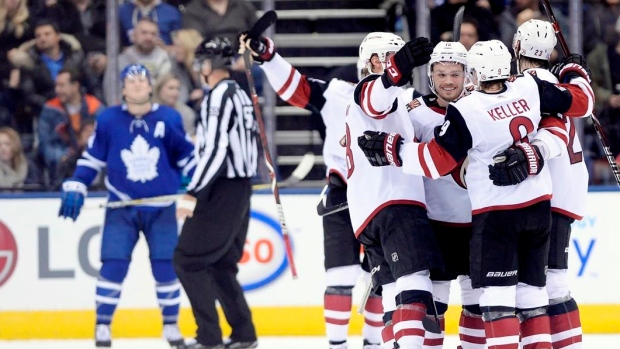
(590, 341)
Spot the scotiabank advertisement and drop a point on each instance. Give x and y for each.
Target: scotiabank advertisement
(48, 267)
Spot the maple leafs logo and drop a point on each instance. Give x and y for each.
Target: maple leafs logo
(140, 160)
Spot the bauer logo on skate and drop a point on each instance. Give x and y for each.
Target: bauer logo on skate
(8, 253)
(264, 255)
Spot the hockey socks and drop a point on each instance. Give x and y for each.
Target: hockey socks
(387, 333)
(435, 340)
(471, 330)
(535, 333)
(565, 324)
(408, 329)
(373, 320)
(107, 297)
(169, 299)
(502, 333)
(337, 311)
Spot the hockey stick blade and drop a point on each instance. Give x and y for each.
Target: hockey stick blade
(456, 26)
(266, 20)
(323, 211)
(431, 325)
(301, 171)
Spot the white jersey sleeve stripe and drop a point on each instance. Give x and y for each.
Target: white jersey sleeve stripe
(288, 90)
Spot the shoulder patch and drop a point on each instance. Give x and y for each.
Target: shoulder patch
(413, 104)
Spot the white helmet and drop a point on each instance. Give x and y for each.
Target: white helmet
(379, 43)
(535, 39)
(490, 60)
(446, 51)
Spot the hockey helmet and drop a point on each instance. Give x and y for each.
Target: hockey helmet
(446, 51)
(379, 43)
(534, 39)
(489, 60)
(218, 50)
(135, 70)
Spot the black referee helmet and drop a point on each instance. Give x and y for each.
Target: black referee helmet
(216, 49)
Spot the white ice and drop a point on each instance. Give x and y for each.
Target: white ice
(590, 341)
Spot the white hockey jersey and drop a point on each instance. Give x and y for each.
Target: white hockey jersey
(447, 200)
(482, 125)
(569, 173)
(371, 189)
(329, 99)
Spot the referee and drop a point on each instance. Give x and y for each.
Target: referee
(216, 207)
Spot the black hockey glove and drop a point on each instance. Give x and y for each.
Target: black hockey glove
(572, 66)
(515, 164)
(380, 148)
(398, 68)
(262, 48)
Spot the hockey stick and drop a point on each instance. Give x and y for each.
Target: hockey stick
(261, 25)
(323, 211)
(595, 122)
(299, 173)
(456, 25)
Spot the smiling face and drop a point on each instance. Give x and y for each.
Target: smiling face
(448, 79)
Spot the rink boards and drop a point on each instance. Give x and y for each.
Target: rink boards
(48, 269)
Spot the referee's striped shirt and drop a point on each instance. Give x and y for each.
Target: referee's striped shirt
(226, 138)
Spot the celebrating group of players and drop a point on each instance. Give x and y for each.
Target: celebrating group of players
(479, 184)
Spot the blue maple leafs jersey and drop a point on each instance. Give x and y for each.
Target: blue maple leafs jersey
(145, 157)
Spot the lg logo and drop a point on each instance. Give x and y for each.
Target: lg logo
(8, 254)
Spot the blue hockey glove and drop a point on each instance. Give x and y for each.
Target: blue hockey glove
(73, 194)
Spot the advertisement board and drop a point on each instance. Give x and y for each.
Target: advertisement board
(48, 269)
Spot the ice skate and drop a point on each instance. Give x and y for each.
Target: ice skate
(172, 334)
(103, 336)
(241, 345)
(368, 345)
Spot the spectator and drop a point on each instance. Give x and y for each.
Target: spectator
(9, 99)
(167, 93)
(222, 18)
(68, 162)
(41, 59)
(92, 37)
(469, 32)
(185, 42)
(605, 65)
(605, 13)
(63, 13)
(442, 20)
(15, 29)
(62, 120)
(225, 18)
(15, 169)
(145, 51)
(166, 17)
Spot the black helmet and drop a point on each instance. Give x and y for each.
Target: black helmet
(218, 50)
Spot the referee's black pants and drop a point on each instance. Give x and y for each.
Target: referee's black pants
(205, 259)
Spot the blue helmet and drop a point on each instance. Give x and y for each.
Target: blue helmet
(135, 70)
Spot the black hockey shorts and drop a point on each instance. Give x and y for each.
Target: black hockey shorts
(400, 238)
(341, 248)
(560, 240)
(511, 246)
(453, 243)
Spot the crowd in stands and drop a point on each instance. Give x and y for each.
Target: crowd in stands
(53, 60)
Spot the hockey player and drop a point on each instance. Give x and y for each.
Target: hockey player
(533, 43)
(145, 150)
(341, 248)
(387, 207)
(216, 207)
(447, 200)
(508, 261)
